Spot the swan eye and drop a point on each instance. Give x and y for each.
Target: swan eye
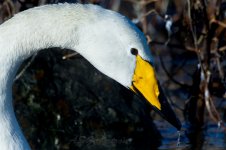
(134, 51)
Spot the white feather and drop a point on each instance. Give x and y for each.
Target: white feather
(102, 36)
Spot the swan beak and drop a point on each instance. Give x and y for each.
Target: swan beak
(145, 84)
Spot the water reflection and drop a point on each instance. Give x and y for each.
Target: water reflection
(208, 138)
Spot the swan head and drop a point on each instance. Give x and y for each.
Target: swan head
(108, 40)
(120, 50)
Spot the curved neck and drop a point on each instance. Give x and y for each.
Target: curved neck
(23, 35)
(87, 29)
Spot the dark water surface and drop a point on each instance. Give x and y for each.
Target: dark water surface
(212, 137)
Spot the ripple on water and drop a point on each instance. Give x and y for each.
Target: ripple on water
(214, 137)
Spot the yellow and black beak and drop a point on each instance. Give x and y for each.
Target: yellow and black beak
(145, 84)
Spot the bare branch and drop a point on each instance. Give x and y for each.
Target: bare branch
(69, 55)
(25, 67)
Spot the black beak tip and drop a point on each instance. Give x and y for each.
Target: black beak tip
(166, 111)
(170, 116)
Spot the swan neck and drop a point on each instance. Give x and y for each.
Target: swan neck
(63, 26)
(11, 137)
(19, 40)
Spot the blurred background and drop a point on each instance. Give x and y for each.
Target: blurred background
(66, 104)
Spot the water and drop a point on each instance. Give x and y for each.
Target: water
(218, 128)
(178, 139)
(212, 138)
(215, 137)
